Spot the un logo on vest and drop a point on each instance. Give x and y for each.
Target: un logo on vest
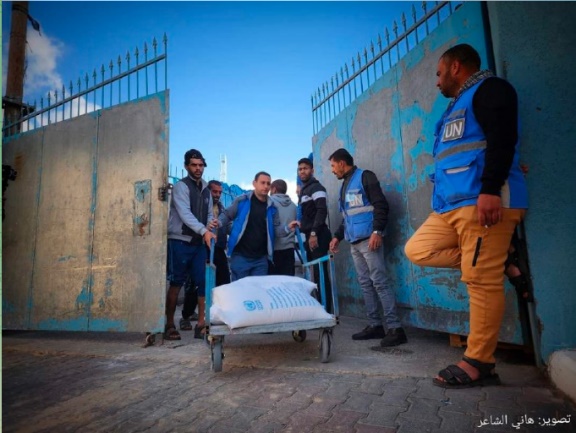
(453, 130)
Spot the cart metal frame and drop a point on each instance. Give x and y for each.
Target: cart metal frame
(215, 333)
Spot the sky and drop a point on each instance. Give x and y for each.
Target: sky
(240, 74)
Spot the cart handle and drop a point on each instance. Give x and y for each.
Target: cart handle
(212, 243)
(301, 246)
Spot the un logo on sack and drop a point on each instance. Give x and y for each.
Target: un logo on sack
(249, 305)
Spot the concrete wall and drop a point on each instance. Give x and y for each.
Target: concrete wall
(534, 47)
(84, 238)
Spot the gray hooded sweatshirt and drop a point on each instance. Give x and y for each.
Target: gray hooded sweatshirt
(286, 214)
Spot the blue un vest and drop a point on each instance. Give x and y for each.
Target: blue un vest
(356, 210)
(240, 222)
(459, 152)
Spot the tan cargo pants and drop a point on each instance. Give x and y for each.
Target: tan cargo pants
(455, 239)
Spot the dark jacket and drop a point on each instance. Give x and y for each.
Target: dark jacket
(313, 206)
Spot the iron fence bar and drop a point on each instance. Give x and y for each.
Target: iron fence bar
(119, 81)
(111, 67)
(71, 102)
(155, 45)
(146, 61)
(367, 69)
(361, 70)
(374, 68)
(88, 90)
(102, 72)
(136, 53)
(165, 40)
(86, 80)
(354, 78)
(333, 102)
(48, 108)
(343, 92)
(63, 97)
(94, 75)
(387, 50)
(128, 66)
(329, 100)
(56, 102)
(338, 94)
(414, 19)
(395, 30)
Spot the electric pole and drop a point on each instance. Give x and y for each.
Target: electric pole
(12, 104)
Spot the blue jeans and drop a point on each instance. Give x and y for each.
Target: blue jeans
(241, 266)
(374, 281)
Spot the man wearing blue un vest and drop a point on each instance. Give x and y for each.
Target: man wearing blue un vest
(364, 211)
(479, 198)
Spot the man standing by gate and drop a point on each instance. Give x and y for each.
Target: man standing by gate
(220, 260)
(312, 201)
(479, 197)
(364, 210)
(189, 226)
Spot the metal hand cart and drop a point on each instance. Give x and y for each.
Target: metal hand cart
(215, 333)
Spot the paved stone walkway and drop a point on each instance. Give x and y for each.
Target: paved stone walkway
(86, 382)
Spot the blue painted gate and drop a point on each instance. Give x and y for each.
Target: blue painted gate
(389, 129)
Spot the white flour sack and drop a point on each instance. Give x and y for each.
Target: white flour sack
(265, 300)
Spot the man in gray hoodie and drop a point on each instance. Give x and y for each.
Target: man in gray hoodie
(190, 225)
(284, 263)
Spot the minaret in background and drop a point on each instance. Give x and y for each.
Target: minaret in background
(223, 168)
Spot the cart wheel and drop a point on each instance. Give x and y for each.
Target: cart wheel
(217, 355)
(325, 342)
(299, 336)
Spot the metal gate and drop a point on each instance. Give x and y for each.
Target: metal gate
(384, 111)
(84, 233)
(84, 237)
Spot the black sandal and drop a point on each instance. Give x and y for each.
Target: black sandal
(170, 333)
(185, 324)
(456, 378)
(200, 332)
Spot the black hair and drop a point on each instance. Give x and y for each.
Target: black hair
(260, 173)
(194, 154)
(214, 182)
(342, 155)
(306, 161)
(280, 186)
(465, 54)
